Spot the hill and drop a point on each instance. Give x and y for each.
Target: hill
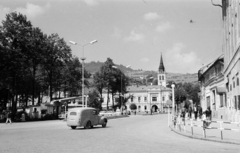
(93, 67)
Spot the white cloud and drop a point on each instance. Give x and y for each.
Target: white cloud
(164, 27)
(91, 2)
(182, 62)
(144, 60)
(151, 16)
(117, 33)
(3, 12)
(32, 10)
(135, 36)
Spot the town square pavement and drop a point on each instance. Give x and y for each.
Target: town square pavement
(134, 134)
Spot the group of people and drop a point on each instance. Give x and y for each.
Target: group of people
(196, 112)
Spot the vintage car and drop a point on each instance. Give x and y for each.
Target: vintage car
(86, 117)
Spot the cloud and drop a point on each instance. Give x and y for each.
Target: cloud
(144, 60)
(151, 16)
(3, 12)
(182, 62)
(117, 33)
(164, 27)
(91, 2)
(32, 10)
(135, 36)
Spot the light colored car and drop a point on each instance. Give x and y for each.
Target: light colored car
(86, 117)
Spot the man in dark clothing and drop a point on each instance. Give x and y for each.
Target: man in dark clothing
(195, 110)
(209, 113)
(200, 111)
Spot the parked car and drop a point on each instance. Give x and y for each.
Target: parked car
(86, 117)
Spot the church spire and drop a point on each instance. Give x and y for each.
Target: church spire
(161, 66)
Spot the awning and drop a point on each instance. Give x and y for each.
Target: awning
(221, 90)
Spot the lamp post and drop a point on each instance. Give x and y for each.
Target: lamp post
(121, 82)
(173, 100)
(83, 58)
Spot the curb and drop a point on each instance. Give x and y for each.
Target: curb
(200, 138)
(115, 117)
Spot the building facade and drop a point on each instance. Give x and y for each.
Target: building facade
(231, 43)
(230, 103)
(146, 97)
(213, 89)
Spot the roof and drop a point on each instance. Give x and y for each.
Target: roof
(204, 69)
(161, 66)
(144, 88)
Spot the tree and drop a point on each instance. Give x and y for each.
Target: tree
(106, 72)
(56, 55)
(94, 100)
(15, 37)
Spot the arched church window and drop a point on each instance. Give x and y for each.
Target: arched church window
(162, 77)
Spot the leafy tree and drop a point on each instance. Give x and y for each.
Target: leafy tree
(94, 100)
(106, 72)
(15, 35)
(57, 54)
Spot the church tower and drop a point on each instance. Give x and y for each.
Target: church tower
(161, 73)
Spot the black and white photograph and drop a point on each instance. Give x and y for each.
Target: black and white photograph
(119, 76)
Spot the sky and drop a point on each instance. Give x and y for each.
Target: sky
(131, 32)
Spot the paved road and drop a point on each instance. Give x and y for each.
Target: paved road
(140, 134)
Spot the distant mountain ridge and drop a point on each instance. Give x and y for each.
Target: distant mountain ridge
(94, 67)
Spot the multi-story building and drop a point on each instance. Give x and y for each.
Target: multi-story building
(213, 90)
(146, 97)
(231, 44)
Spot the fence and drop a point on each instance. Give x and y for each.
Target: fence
(181, 123)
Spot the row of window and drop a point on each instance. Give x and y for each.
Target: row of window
(161, 77)
(145, 99)
(234, 84)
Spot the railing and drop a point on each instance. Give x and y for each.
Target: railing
(179, 122)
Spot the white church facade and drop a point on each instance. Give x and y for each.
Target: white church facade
(146, 97)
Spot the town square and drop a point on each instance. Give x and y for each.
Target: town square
(120, 76)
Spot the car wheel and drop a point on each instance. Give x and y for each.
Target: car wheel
(104, 124)
(88, 125)
(73, 127)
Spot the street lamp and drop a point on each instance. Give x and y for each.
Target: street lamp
(121, 82)
(173, 100)
(83, 58)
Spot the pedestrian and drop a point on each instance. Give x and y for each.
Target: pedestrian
(190, 112)
(195, 110)
(8, 116)
(23, 117)
(200, 111)
(209, 113)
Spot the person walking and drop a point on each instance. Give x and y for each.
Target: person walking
(8, 116)
(190, 112)
(200, 111)
(195, 110)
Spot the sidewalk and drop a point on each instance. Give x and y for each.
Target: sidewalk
(197, 132)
